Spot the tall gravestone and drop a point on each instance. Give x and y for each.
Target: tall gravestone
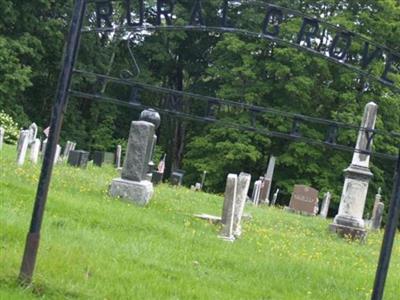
(349, 220)
(57, 155)
(275, 197)
(228, 209)
(22, 147)
(118, 154)
(35, 149)
(2, 131)
(33, 129)
(376, 219)
(243, 184)
(264, 195)
(152, 116)
(256, 191)
(133, 185)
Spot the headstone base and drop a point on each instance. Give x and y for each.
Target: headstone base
(347, 231)
(132, 191)
(304, 213)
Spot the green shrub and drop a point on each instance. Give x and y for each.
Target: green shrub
(10, 127)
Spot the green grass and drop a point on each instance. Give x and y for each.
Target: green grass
(96, 247)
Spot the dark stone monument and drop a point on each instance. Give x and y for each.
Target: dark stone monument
(101, 157)
(78, 158)
(304, 200)
(157, 177)
(177, 177)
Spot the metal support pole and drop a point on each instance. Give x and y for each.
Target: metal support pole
(61, 99)
(388, 238)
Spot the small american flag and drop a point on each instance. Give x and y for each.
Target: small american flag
(161, 165)
(47, 131)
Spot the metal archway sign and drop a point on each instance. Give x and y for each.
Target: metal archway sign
(363, 56)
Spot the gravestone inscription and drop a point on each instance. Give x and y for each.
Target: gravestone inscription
(304, 200)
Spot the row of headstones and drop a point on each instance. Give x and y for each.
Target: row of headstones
(305, 200)
(28, 140)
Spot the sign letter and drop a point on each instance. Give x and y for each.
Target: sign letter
(366, 60)
(340, 53)
(104, 11)
(389, 67)
(274, 16)
(165, 12)
(197, 16)
(309, 33)
(129, 16)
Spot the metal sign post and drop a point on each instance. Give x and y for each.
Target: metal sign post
(61, 99)
(388, 238)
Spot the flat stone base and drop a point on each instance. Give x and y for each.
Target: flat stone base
(132, 191)
(347, 231)
(304, 213)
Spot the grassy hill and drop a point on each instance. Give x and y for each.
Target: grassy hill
(96, 247)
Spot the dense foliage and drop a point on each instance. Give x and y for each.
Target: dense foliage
(224, 65)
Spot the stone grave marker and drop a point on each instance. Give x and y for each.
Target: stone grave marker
(101, 157)
(275, 197)
(22, 146)
(376, 220)
(177, 177)
(78, 158)
(228, 209)
(2, 131)
(243, 184)
(35, 150)
(304, 200)
(325, 205)
(118, 154)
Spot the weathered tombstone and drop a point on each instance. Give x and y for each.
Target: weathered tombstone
(203, 179)
(264, 195)
(68, 147)
(57, 155)
(33, 129)
(378, 198)
(325, 205)
(35, 149)
(22, 148)
(376, 220)
(78, 158)
(349, 220)
(304, 200)
(177, 177)
(256, 191)
(132, 185)
(2, 131)
(228, 209)
(118, 154)
(275, 197)
(101, 157)
(243, 184)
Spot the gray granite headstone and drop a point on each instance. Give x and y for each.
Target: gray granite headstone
(243, 185)
(376, 221)
(136, 160)
(268, 180)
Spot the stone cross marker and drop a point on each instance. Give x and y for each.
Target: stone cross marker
(228, 209)
(243, 185)
(2, 131)
(349, 220)
(304, 200)
(325, 205)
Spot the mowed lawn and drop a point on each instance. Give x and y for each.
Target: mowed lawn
(96, 247)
